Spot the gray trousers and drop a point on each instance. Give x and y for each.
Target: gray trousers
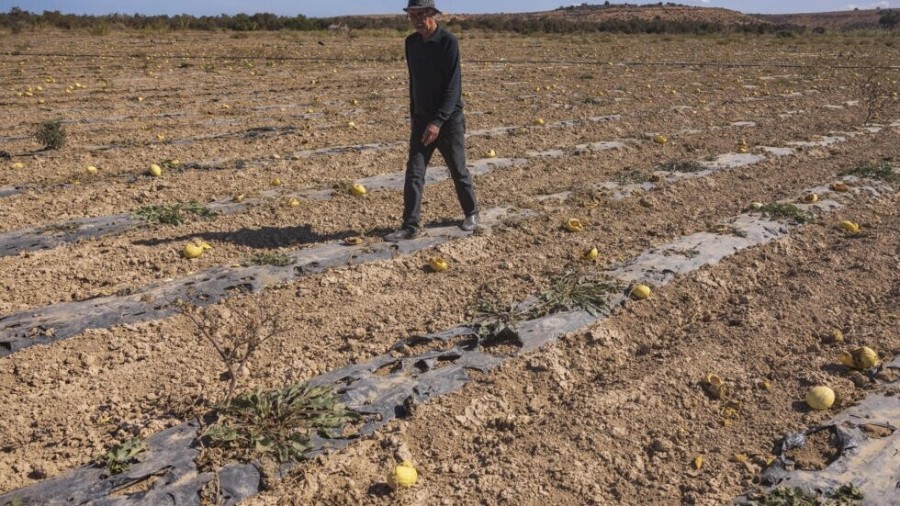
(451, 143)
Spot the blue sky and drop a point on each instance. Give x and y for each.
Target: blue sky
(325, 8)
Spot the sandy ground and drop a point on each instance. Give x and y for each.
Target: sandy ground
(613, 414)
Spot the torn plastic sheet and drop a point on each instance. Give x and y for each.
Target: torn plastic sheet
(506, 130)
(844, 439)
(390, 385)
(41, 238)
(6, 191)
(47, 237)
(660, 265)
(167, 463)
(867, 461)
(60, 321)
(618, 191)
(382, 389)
(355, 148)
(249, 133)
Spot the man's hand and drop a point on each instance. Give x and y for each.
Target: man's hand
(431, 134)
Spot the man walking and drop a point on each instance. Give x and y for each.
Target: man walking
(436, 112)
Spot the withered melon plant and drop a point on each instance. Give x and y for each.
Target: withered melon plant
(571, 290)
(172, 214)
(51, 134)
(878, 95)
(259, 424)
(278, 424)
(236, 330)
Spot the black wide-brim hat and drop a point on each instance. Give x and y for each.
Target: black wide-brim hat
(422, 4)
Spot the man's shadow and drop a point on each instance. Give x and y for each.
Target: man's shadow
(267, 237)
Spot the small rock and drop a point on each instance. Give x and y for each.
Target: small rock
(659, 445)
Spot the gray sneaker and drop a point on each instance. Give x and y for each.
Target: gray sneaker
(403, 234)
(470, 223)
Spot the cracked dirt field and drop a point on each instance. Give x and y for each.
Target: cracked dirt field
(614, 413)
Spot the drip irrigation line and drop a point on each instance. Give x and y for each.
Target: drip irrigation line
(680, 64)
(323, 59)
(319, 59)
(740, 65)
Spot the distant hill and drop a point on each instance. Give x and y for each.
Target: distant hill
(624, 13)
(674, 14)
(838, 21)
(653, 12)
(627, 18)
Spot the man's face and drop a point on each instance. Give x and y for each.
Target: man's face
(422, 20)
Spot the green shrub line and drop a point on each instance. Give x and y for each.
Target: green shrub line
(17, 19)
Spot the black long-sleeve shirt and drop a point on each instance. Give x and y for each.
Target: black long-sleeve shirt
(435, 79)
